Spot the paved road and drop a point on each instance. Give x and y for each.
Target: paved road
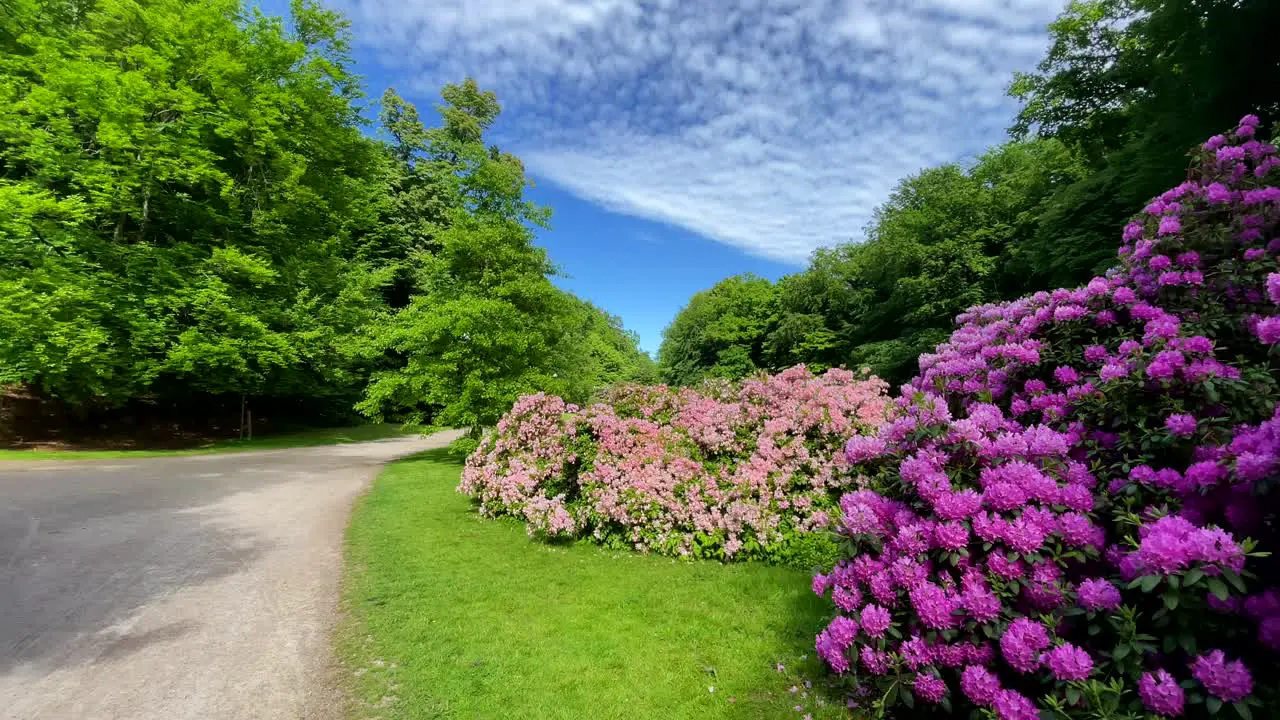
(171, 588)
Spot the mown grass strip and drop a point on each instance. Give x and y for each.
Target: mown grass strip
(449, 615)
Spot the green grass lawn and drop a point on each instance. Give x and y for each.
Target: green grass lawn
(320, 436)
(449, 615)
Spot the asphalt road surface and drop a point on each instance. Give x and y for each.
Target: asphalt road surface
(169, 588)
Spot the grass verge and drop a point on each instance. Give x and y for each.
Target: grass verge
(306, 438)
(449, 615)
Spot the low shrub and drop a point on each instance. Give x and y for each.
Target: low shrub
(1071, 514)
(726, 471)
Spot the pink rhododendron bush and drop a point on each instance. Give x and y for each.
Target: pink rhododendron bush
(1072, 513)
(726, 471)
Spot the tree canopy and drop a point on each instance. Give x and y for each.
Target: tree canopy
(192, 205)
(947, 238)
(719, 333)
(1132, 85)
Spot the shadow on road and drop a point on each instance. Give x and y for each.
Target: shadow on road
(68, 593)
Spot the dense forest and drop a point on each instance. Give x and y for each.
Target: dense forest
(1126, 88)
(195, 209)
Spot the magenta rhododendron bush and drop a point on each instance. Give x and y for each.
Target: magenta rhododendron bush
(730, 471)
(1072, 513)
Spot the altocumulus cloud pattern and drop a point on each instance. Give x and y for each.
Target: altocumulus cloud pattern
(772, 125)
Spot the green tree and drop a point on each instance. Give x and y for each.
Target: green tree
(483, 324)
(180, 183)
(190, 207)
(948, 238)
(608, 354)
(487, 328)
(1125, 88)
(720, 333)
(1131, 85)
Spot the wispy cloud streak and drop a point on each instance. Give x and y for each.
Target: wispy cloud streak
(773, 125)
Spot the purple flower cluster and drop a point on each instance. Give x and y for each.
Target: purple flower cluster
(1098, 594)
(1022, 644)
(1068, 662)
(875, 620)
(979, 685)
(1161, 693)
(1011, 705)
(1181, 424)
(1264, 608)
(929, 688)
(1076, 457)
(1229, 681)
(1173, 544)
(833, 643)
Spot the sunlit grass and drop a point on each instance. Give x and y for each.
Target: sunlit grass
(451, 615)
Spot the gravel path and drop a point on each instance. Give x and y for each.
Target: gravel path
(186, 587)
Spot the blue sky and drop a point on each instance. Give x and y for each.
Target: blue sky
(682, 141)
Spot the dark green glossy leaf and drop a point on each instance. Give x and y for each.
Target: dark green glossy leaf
(1234, 578)
(1218, 588)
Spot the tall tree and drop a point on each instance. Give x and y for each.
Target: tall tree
(607, 353)
(483, 323)
(180, 182)
(189, 207)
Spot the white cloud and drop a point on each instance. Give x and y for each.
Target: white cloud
(773, 125)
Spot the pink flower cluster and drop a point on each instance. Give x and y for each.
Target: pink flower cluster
(535, 440)
(725, 470)
(1082, 456)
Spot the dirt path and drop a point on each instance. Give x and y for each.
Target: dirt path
(169, 588)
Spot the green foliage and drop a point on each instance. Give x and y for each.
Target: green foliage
(720, 333)
(948, 238)
(944, 241)
(481, 323)
(189, 206)
(807, 551)
(1130, 85)
(610, 354)
(179, 181)
(472, 348)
